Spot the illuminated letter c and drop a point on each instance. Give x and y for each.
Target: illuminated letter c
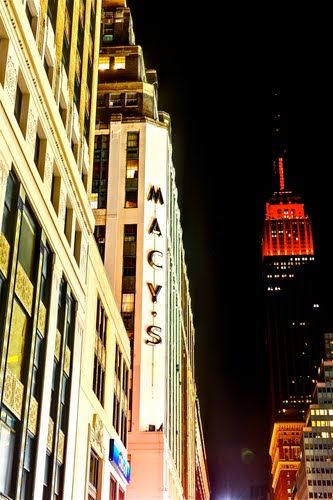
(152, 259)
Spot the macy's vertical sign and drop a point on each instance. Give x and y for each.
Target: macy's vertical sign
(155, 258)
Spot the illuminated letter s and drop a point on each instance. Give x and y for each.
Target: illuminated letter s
(155, 338)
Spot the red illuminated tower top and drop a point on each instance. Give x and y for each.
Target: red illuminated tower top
(287, 228)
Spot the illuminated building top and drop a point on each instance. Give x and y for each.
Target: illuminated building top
(287, 228)
(285, 454)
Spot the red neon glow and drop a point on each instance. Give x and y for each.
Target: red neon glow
(287, 228)
(281, 174)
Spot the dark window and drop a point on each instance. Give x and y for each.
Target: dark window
(100, 239)
(37, 150)
(100, 171)
(125, 380)
(132, 170)
(52, 8)
(28, 13)
(101, 321)
(66, 50)
(46, 470)
(100, 353)
(9, 207)
(129, 271)
(100, 100)
(87, 119)
(27, 476)
(113, 488)
(18, 103)
(115, 417)
(77, 89)
(123, 428)
(118, 358)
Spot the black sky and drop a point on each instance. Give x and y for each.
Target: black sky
(216, 74)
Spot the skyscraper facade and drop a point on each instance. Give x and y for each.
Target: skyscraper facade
(138, 231)
(63, 346)
(315, 475)
(293, 315)
(292, 301)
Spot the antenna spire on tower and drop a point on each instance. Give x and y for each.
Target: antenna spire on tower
(281, 174)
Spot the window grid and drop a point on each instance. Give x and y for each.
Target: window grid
(132, 170)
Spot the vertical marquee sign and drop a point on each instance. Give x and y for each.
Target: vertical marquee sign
(154, 260)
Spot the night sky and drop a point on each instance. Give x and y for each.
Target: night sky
(223, 159)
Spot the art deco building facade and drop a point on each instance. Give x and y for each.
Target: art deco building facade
(315, 475)
(285, 455)
(140, 239)
(292, 302)
(63, 346)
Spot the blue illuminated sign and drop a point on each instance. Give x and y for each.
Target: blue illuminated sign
(116, 457)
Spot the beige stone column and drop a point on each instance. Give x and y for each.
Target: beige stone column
(4, 172)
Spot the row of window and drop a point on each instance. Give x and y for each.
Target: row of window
(320, 482)
(320, 495)
(118, 100)
(327, 389)
(318, 446)
(101, 168)
(120, 401)
(321, 470)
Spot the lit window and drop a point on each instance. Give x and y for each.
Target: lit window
(119, 62)
(128, 302)
(104, 63)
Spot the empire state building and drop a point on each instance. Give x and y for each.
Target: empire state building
(292, 301)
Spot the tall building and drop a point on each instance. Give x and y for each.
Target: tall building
(315, 475)
(285, 455)
(292, 302)
(293, 314)
(139, 235)
(63, 346)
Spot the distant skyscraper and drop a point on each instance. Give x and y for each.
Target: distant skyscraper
(291, 290)
(293, 316)
(292, 301)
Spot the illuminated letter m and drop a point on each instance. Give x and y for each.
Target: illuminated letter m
(156, 195)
